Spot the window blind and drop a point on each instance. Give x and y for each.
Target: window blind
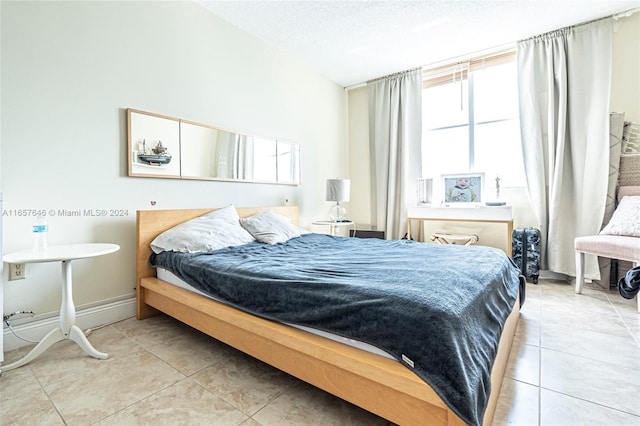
(460, 70)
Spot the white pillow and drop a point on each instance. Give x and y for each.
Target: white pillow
(270, 227)
(626, 218)
(212, 231)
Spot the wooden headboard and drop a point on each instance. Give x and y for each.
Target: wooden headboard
(151, 223)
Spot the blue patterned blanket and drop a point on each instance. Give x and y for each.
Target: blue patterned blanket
(438, 309)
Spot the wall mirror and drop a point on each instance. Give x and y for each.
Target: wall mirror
(168, 147)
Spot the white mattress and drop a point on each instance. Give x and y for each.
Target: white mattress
(171, 278)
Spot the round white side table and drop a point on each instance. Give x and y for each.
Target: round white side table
(67, 328)
(333, 230)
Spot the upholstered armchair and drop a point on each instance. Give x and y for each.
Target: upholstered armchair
(619, 239)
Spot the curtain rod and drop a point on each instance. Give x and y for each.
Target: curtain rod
(616, 17)
(452, 60)
(626, 13)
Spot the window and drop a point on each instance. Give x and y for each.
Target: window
(470, 121)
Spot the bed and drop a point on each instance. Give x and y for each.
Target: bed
(376, 383)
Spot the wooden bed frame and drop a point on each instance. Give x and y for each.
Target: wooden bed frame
(375, 383)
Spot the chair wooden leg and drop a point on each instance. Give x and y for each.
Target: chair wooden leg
(580, 272)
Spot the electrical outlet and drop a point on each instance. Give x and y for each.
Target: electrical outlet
(17, 271)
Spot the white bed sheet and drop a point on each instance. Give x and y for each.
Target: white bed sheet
(171, 278)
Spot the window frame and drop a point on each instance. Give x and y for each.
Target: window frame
(458, 72)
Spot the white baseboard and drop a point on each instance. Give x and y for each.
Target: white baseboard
(85, 318)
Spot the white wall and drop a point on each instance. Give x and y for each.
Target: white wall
(359, 157)
(625, 83)
(69, 70)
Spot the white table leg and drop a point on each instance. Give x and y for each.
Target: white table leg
(54, 336)
(67, 329)
(78, 336)
(68, 315)
(67, 308)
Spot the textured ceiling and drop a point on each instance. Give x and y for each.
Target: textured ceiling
(351, 42)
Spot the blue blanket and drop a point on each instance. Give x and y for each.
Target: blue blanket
(439, 309)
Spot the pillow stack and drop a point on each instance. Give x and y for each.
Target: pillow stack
(212, 231)
(223, 228)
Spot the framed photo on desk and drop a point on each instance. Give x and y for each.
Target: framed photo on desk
(463, 188)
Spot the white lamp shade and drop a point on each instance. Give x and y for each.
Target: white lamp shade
(338, 189)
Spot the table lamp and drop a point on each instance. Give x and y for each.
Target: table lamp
(338, 190)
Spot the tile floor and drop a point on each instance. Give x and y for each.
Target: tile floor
(575, 361)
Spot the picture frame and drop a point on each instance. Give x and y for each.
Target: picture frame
(463, 188)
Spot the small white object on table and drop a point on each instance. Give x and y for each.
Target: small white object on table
(67, 328)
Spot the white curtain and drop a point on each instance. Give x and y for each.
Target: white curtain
(395, 134)
(564, 85)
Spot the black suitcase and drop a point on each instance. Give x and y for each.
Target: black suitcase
(525, 252)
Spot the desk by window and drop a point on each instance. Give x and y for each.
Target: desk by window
(499, 215)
